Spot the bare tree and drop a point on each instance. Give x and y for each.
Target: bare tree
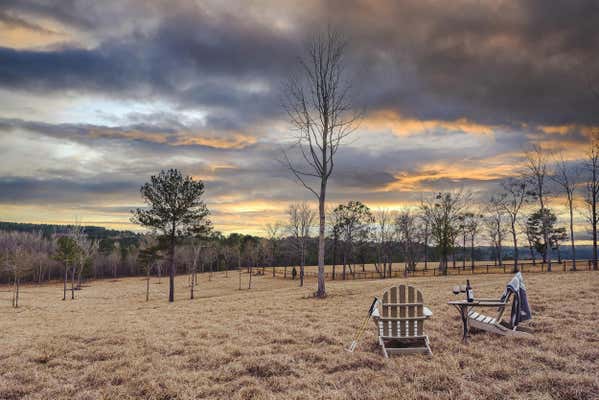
(251, 254)
(464, 231)
(301, 220)
(320, 110)
(592, 193)
(148, 256)
(210, 257)
(473, 223)
(536, 162)
(384, 235)
(229, 255)
(67, 253)
(406, 229)
(16, 259)
(469, 226)
(496, 225)
(85, 256)
(564, 177)
(273, 233)
(526, 229)
(41, 248)
(196, 251)
(425, 234)
(114, 259)
(510, 201)
(77, 232)
(238, 247)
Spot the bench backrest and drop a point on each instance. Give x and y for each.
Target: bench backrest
(402, 312)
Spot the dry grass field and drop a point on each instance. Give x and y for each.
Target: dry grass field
(275, 341)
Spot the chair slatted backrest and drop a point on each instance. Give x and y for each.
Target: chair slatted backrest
(402, 313)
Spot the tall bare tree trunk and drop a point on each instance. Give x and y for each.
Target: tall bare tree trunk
(250, 273)
(40, 274)
(538, 170)
(321, 290)
(472, 252)
(302, 262)
(171, 271)
(148, 284)
(594, 216)
(239, 265)
(593, 201)
(193, 277)
(515, 240)
(547, 252)
(500, 250)
(464, 252)
(73, 282)
(334, 254)
(592, 188)
(426, 245)
(571, 206)
(17, 292)
(66, 277)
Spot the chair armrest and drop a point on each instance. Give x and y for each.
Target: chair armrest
(427, 312)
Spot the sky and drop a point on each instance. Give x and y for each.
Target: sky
(95, 97)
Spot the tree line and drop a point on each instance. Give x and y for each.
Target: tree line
(445, 227)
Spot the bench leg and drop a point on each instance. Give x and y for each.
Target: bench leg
(464, 314)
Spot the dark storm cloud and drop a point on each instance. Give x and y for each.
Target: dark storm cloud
(52, 191)
(84, 14)
(491, 62)
(14, 21)
(146, 134)
(71, 69)
(193, 60)
(358, 171)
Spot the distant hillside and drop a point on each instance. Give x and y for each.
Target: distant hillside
(94, 232)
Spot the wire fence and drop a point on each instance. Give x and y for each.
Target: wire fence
(401, 271)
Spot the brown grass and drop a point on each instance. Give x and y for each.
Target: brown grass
(275, 341)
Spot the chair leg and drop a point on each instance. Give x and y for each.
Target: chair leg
(382, 343)
(428, 347)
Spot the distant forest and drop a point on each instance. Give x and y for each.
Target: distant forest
(129, 238)
(105, 253)
(47, 230)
